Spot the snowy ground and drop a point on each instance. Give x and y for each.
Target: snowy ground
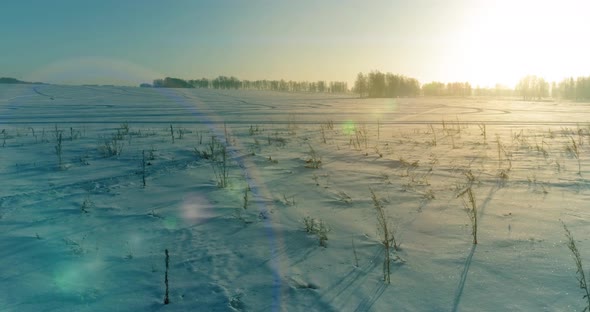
(86, 235)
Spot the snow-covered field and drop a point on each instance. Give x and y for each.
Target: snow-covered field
(87, 235)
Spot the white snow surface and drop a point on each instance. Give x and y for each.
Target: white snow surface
(86, 235)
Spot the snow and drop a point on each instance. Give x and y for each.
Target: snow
(87, 236)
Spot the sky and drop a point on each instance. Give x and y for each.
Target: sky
(132, 41)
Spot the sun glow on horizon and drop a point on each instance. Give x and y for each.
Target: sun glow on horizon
(478, 41)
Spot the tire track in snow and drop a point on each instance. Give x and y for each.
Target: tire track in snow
(196, 283)
(343, 290)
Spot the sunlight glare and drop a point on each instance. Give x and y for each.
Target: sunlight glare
(502, 41)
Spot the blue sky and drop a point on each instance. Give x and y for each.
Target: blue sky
(67, 41)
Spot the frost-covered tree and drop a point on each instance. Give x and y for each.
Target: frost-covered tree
(532, 87)
(360, 85)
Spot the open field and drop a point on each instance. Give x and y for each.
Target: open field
(264, 201)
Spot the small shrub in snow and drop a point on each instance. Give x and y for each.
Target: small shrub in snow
(272, 161)
(87, 204)
(289, 200)
(322, 233)
(387, 233)
(314, 161)
(217, 154)
(220, 168)
(309, 223)
(236, 303)
(111, 147)
(253, 130)
(124, 128)
(151, 154)
(202, 154)
(74, 134)
(76, 247)
(181, 133)
(318, 227)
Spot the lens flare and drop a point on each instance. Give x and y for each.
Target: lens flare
(391, 105)
(69, 279)
(196, 209)
(171, 223)
(348, 127)
(77, 277)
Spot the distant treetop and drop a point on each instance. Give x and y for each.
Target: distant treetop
(12, 80)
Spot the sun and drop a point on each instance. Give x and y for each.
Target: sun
(502, 41)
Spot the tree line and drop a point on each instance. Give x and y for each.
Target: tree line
(532, 87)
(377, 84)
(436, 88)
(224, 82)
(382, 85)
(573, 89)
(10, 80)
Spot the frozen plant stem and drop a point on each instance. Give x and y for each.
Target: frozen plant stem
(315, 161)
(246, 199)
(482, 127)
(356, 258)
(576, 152)
(166, 298)
(323, 132)
(58, 149)
(433, 135)
(35, 136)
(499, 150)
(226, 133)
(220, 168)
(471, 209)
(322, 233)
(317, 227)
(143, 167)
(172, 133)
(571, 244)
